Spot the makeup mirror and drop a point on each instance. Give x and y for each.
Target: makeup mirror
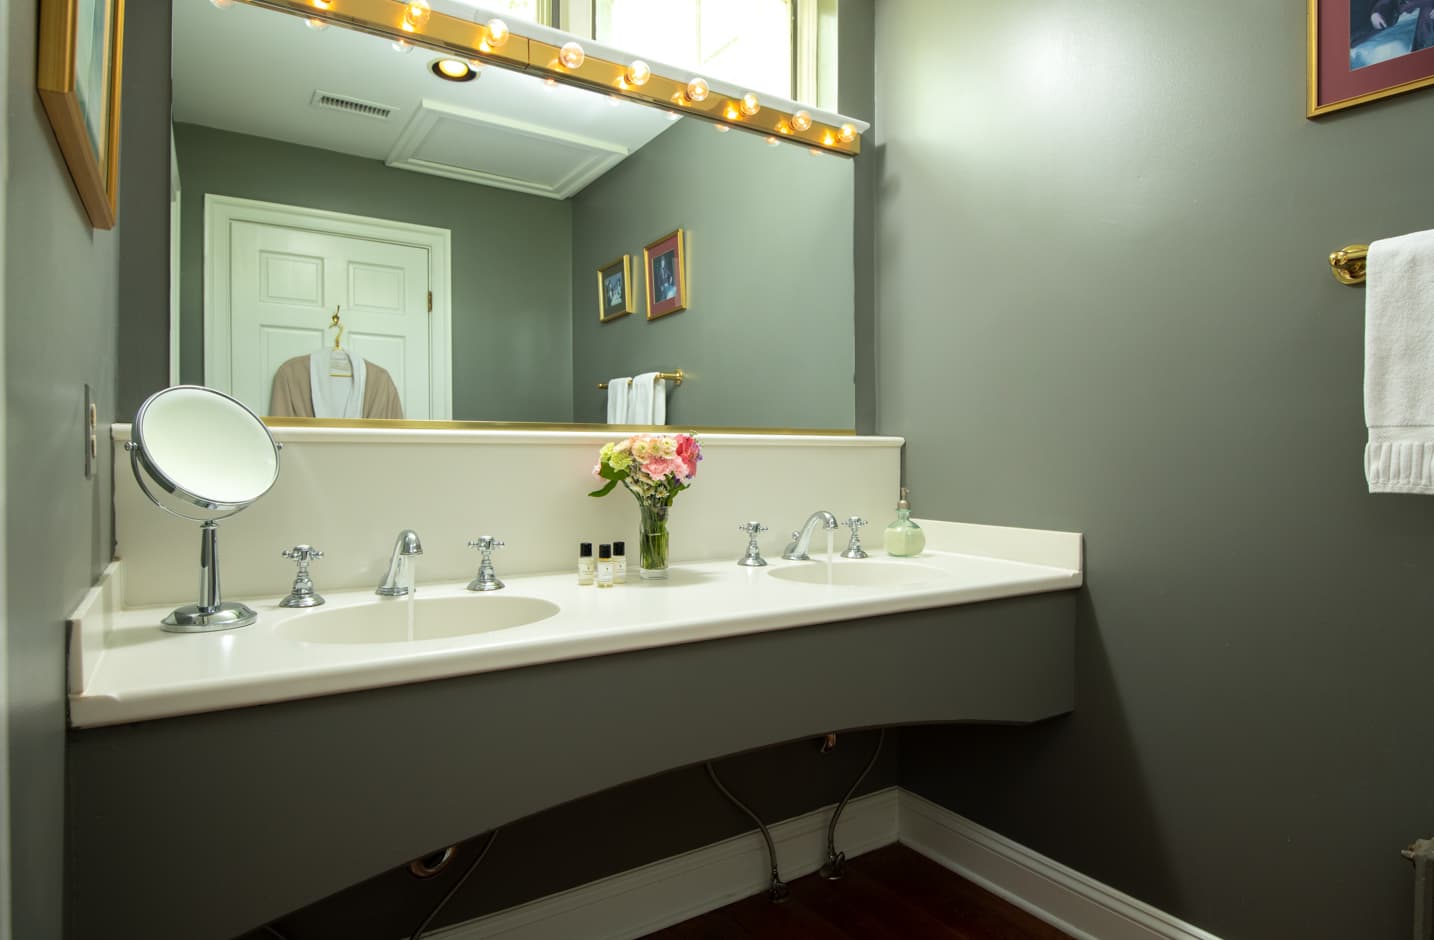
(210, 456)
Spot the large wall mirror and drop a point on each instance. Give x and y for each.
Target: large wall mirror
(325, 170)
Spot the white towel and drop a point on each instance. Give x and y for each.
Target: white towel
(648, 404)
(618, 398)
(1399, 365)
(336, 396)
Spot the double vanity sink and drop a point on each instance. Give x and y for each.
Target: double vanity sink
(124, 668)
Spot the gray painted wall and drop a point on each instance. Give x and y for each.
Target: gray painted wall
(60, 323)
(1105, 306)
(510, 260)
(767, 337)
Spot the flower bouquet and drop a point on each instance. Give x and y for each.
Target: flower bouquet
(654, 468)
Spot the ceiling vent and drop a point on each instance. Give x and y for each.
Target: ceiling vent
(324, 99)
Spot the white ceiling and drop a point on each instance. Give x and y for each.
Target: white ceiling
(254, 71)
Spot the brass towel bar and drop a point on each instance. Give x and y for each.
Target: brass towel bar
(1348, 264)
(674, 377)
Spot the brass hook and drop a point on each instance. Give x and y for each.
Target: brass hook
(336, 323)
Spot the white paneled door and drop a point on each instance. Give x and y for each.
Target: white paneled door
(274, 284)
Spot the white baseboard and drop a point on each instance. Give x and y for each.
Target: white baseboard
(638, 902)
(675, 889)
(1060, 896)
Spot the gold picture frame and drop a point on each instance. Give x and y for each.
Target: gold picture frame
(664, 264)
(81, 54)
(615, 289)
(1349, 66)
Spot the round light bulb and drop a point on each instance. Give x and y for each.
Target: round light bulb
(802, 121)
(571, 55)
(316, 24)
(452, 68)
(697, 90)
(416, 14)
(497, 33)
(750, 104)
(848, 133)
(638, 72)
(402, 45)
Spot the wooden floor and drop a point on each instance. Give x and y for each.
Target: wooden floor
(890, 894)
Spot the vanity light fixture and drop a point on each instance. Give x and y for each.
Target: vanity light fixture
(453, 70)
(848, 133)
(572, 55)
(697, 90)
(416, 14)
(750, 105)
(731, 112)
(316, 24)
(638, 73)
(497, 34)
(802, 121)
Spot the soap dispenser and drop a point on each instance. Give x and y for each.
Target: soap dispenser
(904, 537)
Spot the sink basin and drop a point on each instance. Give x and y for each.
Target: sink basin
(433, 619)
(862, 573)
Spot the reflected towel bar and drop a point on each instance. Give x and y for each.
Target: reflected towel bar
(674, 377)
(1348, 264)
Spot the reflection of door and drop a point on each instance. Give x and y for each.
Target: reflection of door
(275, 274)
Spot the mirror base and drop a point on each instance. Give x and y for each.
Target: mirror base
(190, 619)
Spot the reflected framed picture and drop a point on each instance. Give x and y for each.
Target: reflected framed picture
(80, 53)
(615, 289)
(1364, 50)
(666, 270)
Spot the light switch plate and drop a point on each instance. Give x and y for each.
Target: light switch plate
(92, 442)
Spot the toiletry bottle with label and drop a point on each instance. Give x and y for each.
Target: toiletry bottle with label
(604, 566)
(619, 562)
(903, 537)
(585, 563)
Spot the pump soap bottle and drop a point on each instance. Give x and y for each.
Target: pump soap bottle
(903, 537)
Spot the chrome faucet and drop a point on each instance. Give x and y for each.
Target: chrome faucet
(487, 579)
(407, 546)
(797, 551)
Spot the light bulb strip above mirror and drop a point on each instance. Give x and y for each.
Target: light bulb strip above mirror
(665, 87)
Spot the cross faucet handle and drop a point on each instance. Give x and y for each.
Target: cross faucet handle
(302, 593)
(486, 543)
(753, 558)
(487, 578)
(853, 548)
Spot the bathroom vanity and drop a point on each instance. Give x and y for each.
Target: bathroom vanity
(327, 744)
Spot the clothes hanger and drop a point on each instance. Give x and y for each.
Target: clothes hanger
(341, 365)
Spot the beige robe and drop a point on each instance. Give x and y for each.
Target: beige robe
(293, 394)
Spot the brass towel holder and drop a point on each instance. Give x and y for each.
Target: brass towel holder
(674, 377)
(1348, 264)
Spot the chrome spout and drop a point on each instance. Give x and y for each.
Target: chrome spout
(407, 546)
(802, 538)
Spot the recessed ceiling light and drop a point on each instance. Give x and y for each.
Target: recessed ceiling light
(453, 70)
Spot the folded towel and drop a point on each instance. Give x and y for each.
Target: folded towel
(1399, 365)
(619, 396)
(648, 404)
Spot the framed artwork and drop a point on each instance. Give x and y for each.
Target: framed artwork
(615, 289)
(1364, 50)
(81, 46)
(666, 267)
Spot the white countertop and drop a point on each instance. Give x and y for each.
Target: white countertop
(124, 668)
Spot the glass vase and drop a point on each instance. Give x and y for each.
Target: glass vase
(652, 541)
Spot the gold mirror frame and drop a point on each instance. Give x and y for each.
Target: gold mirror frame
(469, 40)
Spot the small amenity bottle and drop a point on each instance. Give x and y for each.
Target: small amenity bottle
(585, 562)
(619, 562)
(903, 537)
(604, 566)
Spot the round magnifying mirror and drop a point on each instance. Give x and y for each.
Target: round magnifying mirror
(212, 453)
